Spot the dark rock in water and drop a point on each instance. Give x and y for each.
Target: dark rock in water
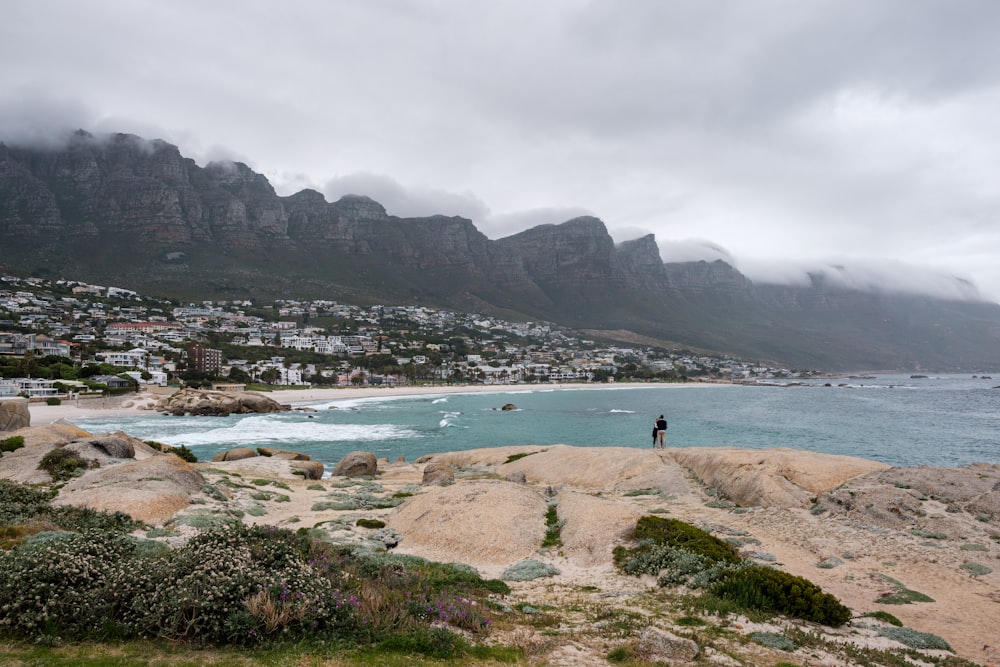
(356, 464)
(509, 406)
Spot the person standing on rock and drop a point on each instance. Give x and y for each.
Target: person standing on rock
(661, 433)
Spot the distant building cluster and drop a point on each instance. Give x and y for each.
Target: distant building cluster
(295, 342)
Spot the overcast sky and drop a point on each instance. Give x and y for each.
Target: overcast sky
(780, 135)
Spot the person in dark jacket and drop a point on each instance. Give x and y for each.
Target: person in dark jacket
(660, 439)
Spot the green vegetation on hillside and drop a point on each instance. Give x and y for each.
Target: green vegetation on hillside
(247, 586)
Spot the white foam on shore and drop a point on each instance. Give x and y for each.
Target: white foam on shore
(260, 430)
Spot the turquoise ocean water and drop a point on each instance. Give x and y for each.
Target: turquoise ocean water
(939, 421)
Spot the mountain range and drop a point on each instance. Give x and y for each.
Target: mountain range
(136, 213)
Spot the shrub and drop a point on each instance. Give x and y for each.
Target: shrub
(915, 639)
(237, 586)
(63, 584)
(53, 400)
(976, 569)
(370, 523)
(767, 589)
(20, 505)
(12, 443)
(527, 570)
(61, 464)
(553, 528)
(185, 454)
(902, 594)
(672, 532)
(674, 566)
(885, 617)
(773, 640)
(436, 643)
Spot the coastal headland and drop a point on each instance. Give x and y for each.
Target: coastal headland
(863, 531)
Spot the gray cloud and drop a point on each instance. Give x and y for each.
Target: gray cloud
(785, 132)
(403, 201)
(886, 276)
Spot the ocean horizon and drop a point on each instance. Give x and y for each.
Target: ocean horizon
(945, 420)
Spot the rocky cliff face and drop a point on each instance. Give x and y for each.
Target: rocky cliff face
(136, 213)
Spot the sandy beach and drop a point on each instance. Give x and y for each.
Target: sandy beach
(145, 401)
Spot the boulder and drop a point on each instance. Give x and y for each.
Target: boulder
(283, 454)
(115, 445)
(509, 406)
(657, 645)
(22, 465)
(518, 477)
(217, 403)
(438, 473)
(150, 490)
(235, 454)
(356, 464)
(101, 451)
(307, 469)
(14, 414)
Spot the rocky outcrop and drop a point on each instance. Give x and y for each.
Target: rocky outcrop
(237, 454)
(932, 500)
(14, 414)
(773, 477)
(499, 522)
(267, 467)
(123, 474)
(660, 646)
(438, 473)
(282, 454)
(151, 490)
(217, 403)
(356, 464)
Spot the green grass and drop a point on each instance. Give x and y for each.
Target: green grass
(902, 594)
(553, 529)
(167, 654)
(516, 457)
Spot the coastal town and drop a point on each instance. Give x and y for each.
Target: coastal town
(62, 338)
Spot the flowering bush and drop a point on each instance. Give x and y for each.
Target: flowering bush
(229, 585)
(65, 583)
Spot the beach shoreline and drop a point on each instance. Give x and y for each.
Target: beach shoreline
(144, 402)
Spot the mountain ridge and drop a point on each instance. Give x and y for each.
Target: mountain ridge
(137, 213)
